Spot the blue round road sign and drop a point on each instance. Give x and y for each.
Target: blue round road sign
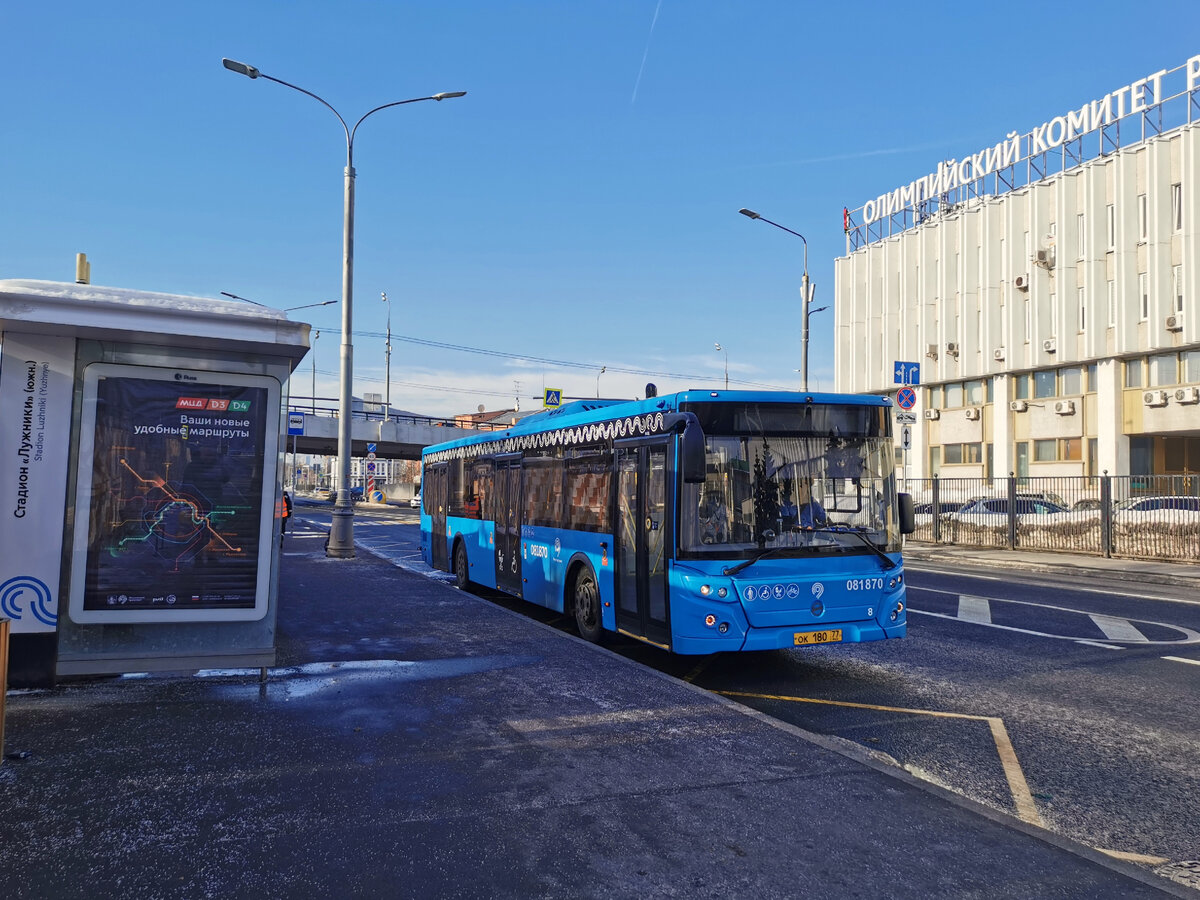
(906, 398)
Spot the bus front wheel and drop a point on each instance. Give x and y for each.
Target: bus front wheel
(587, 605)
(462, 571)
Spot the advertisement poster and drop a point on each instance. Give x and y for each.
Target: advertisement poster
(176, 495)
(37, 373)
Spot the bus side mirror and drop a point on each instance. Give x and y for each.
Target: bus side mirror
(908, 520)
(691, 446)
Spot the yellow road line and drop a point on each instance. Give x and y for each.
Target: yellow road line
(1018, 787)
(695, 673)
(1135, 857)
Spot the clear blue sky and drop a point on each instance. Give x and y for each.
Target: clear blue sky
(580, 203)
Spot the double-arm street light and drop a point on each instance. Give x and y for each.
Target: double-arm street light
(387, 362)
(341, 534)
(805, 295)
(603, 369)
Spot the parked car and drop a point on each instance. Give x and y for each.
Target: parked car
(356, 494)
(1153, 504)
(1087, 504)
(945, 507)
(995, 507)
(415, 500)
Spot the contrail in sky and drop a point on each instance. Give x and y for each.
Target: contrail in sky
(642, 68)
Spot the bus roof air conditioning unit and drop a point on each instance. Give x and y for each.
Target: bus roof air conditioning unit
(1064, 407)
(1187, 395)
(1050, 345)
(973, 413)
(1155, 398)
(1019, 405)
(952, 349)
(1021, 282)
(1175, 322)
(998, 354)
(932, 414)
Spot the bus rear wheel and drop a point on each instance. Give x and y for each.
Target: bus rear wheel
(462, 571)
(587, 606)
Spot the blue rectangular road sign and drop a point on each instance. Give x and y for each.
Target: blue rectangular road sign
(295, 423)
(906, 373)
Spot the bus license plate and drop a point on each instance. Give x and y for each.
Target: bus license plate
(804, 638)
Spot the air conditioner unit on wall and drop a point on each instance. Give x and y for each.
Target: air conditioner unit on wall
(932, 414)
(1155, 398)
(952, 349)
(931, 350)
(1021, 282)
(973, 413)
(998, 354)
(1175, 322)
(1019, 405)
(1064, 407)
(1187, 395)
(1046, 258)
(1050, 345)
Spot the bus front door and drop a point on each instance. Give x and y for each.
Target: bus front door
(642, 540)
(508, 525)
(435, 498)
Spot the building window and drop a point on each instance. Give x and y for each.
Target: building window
(1070, 381)
(1144, 294)
(1177, 207)
(1021, 387)
(933, 397)
(954, 396)
(1177, 282)
(1190, 360)
(1164, 370)
(1110, 214)
(1079, 236)
(1082, 309)
(974, 392)
(1092, 382)
(1133, 373)
(1045, 450)
(1045, 384)
(1112, 303)
(1070, 449)
(1143, 217)
(954, 454)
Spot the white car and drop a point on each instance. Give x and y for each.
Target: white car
(415, 501)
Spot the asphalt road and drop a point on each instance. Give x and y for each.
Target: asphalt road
(1068, 704)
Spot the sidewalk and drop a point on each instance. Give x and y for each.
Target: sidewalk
(1069, 565)
(418, 741)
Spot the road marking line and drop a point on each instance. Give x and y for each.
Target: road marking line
(1018, 787)
(1098, 644)
(908, 563)
(975, 609)
(1116, 629)
(1182, 659)
(1192, 636)
(695, 673)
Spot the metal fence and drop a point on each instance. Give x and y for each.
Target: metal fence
(1136, 516)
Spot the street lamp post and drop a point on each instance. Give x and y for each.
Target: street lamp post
(387, 363)
(341, 534)
(726, 351)
(603, 369)
(313, 351)
(805, 294)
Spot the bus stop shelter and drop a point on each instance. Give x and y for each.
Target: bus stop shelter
(140, 475)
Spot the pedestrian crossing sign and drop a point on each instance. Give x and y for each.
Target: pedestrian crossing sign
(552, 398)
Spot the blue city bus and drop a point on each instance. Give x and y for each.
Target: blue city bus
(700, 521)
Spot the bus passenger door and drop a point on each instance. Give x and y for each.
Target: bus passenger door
(508, 525)
(642, 540)
(434, 495)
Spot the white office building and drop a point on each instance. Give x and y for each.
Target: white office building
(1046, 287)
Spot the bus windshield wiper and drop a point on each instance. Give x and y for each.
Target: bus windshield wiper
(761, 554)
(846, 529)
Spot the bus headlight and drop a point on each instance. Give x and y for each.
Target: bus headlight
(897, 610)
(895, 581)
(705, 590)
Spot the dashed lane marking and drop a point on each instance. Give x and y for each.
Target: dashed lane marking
(1017, 786)
(1183, 659)
(975, 609)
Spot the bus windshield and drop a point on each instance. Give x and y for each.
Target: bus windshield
(799, 479)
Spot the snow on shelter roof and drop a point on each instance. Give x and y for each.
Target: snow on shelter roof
(172, 320)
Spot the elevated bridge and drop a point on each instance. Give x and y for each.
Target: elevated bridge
(398, 436)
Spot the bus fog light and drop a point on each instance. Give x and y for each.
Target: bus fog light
(895, 581)
(705, 590)
(710, 620)
(724, 627)
(722, 593)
